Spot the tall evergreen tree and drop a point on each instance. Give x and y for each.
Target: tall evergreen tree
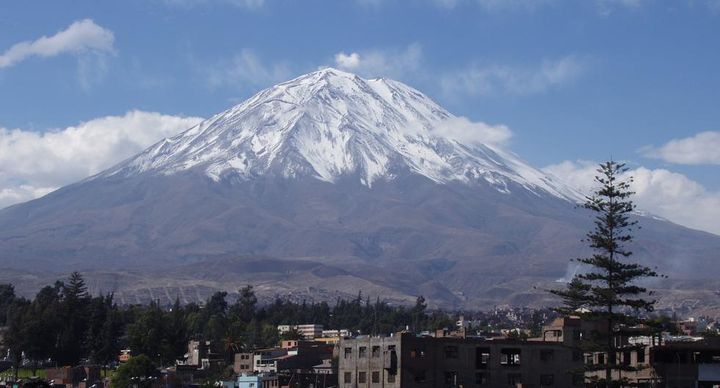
(418, 313)
(608, 291)
(7, 297)
(246, 303)
(74, 318)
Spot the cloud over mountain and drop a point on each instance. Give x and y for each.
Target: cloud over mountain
(658, 191)
(33, 163)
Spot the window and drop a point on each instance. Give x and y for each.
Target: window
(547, 380)
(348, 353)
(362, 352)
(509, 357)
(450, 378)
(626, 358)
(482, 358)
(514, 379)
(546, 355)
(362, 377)
(375, 378)
(481, 378)
(641, 356)
(417, 353)
(451, 352)
(601, 358)
(390, 378)
(347, 378)
(375, 352)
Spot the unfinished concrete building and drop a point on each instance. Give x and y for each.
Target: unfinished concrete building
(407, 360)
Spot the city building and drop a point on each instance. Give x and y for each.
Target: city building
(306, 331)
(693, 364)
(650, 359)
(243, 363)
(270, 360)
(344, 333)
(408, 360)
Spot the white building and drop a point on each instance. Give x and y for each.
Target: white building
(307, 331)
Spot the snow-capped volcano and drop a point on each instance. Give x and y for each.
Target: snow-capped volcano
(330, 123)
(319, 187)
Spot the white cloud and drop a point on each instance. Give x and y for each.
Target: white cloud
(381, 63)
(347, 61)
(496, 79)
(464, 130)
(703, 148)
(657, 191)
(32, 164)
(80, 37)
(246, 69)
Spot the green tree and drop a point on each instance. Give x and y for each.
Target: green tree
(138, 372)
(147, 334)
(418, 313)
(16, 334)
(575, 296)
(608, 289)
(247, 303)
(75, 302)
(175, 332)
(41, 327)
(7, 298)
(104, 329)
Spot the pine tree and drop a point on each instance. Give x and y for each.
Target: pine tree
(418, 313)
(608, 292)
(74, 320)
(246, 303)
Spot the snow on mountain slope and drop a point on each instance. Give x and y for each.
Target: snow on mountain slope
(330, 123)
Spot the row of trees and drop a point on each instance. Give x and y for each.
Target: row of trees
(64, 325)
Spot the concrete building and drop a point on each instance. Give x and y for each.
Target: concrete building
(306, 331)
(406, 360)
(269, 360)
(343, 333)
(243, 363)
(687, 364)
(652, 359)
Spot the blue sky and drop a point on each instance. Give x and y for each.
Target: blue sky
(575, 81)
